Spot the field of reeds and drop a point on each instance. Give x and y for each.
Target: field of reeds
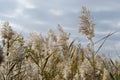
(54, 56)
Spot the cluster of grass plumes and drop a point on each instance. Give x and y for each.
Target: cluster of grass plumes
(54, 57)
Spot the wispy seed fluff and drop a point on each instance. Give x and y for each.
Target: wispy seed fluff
(6, 31)
(62, 36)
(86, 26)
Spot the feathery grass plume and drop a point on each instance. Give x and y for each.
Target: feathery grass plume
(13, 46)
(6, 34)
(62, 36)
(36, 42)
(62, 40)
(117, 69)
(87, 25)
(106, 75)
(6, 31)
(51, 35)
(86, 70)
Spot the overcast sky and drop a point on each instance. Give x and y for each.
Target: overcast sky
(40, 15)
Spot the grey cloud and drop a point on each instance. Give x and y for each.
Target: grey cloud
(8, 6)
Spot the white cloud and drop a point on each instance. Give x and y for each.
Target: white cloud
(19, 28)
(103, 8)
(6, 15)
(26, 4)
(102, 32)
(57, 12)
(17, 12)
(40, 22)
(108, 22)
(118, 24)
(70, 28)
(113, 24)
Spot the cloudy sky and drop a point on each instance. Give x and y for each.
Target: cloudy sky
(40, 15)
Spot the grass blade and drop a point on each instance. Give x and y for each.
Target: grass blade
(104, 38)
(11, 68)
